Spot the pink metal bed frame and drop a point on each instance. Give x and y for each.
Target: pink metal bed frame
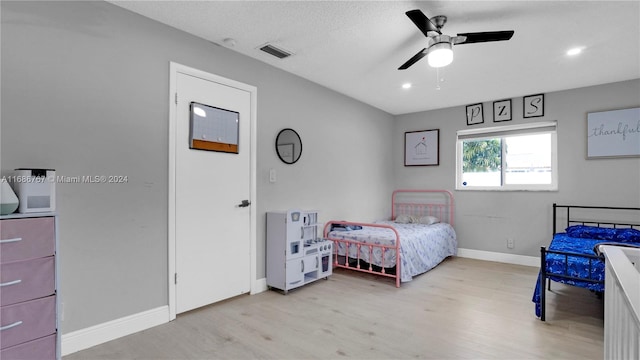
(443, 209)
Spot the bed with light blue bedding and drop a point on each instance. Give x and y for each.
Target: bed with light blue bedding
(422, 246)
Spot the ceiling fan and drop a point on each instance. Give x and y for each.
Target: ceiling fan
(439, 46)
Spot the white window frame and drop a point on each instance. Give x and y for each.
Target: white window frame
(547, 127)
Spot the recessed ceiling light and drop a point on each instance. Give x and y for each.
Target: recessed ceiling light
(406, 86)
(574, 51)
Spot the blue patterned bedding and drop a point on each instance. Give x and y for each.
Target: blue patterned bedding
(422, 247)
(582, 240)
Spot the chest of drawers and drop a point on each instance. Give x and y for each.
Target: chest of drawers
(28, 287)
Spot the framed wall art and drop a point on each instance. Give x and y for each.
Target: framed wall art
(422, 148)
(533, 106)
(502, 110)
(612, 134)
(475, 114)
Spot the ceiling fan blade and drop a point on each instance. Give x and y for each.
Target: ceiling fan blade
(414, 59)
(422, 22)
(486, 36)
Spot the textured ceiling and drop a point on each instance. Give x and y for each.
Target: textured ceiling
(355, 47)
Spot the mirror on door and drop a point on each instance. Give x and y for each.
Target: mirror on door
(288, 146)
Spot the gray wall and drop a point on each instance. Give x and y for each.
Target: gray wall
(85, 91)
(485, 219)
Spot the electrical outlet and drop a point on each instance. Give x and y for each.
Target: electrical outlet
(272, 175)
(510, 244)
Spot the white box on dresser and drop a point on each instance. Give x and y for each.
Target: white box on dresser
(28, 287)
(36, 190)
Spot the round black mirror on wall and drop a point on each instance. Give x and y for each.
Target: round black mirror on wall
(288, 146)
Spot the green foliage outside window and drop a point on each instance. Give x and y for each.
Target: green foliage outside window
(482, 155)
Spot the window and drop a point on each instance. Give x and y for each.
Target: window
(519, 157)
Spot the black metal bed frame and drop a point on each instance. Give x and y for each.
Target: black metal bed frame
(544, 276)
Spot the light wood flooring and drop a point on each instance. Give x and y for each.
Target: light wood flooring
(462, 309)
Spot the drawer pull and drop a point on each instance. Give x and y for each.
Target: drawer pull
(7, 327)
(14, 282)
(10, 240)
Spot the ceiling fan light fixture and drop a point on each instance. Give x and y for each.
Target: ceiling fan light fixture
(439, 52)
(440, 55)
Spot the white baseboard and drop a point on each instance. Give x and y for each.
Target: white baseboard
(260, 285)
(101, 333)
(499, 257)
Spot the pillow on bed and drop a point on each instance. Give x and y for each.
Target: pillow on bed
(590, 232)
(342, 227)
(600, 233)
(428, 220)
(404, 219)
(628, 235)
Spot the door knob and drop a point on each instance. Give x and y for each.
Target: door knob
(244, 203)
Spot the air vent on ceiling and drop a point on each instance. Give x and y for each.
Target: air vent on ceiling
(277, 52)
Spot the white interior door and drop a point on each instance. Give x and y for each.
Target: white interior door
(212, 232)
